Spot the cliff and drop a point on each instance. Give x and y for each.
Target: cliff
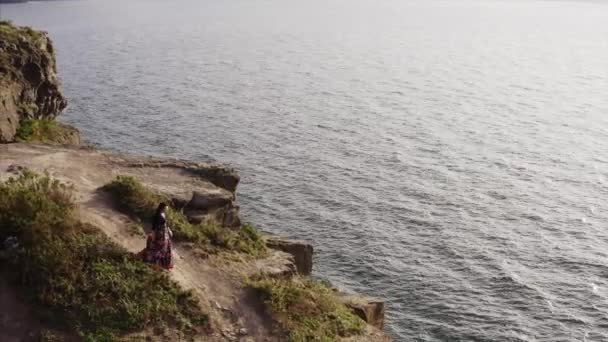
(29, 86)
(214, 268)
(73, 219)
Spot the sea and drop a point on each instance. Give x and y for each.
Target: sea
(449, 157)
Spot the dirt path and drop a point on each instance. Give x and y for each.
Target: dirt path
(234, 314)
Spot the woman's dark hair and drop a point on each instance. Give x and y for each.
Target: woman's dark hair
(161, 206)
(156, 220)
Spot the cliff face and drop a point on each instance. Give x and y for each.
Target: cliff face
(29, 87)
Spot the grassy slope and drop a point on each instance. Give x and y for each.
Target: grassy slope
(139, 202)
(306, 309)
(78, 276)
(46, 131)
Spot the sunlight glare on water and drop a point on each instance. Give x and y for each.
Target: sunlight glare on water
(447, 156)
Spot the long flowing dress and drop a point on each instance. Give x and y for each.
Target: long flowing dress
(158, 245)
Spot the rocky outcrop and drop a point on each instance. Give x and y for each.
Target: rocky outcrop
(216, 173)
(300, 250)
(216, 205)
(368, 309)
(277, 265)
(213, 201)
(29, 87)
(224, 177)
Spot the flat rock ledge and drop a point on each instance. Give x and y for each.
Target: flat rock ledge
(301, 251)
(206, 191)
(202, 190)
(371, 310)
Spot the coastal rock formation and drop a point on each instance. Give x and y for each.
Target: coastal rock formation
(368, 309)
(217, 206)
(29, 87)
(213, 201)
(277, 265)
(216, 282)
(300, 250)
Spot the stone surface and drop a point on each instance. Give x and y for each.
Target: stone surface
(205, 200)
(214, 205)
(214, 202)
(370, 310)
(226, 178)
(29, 86)
(277, 265)
(300, 250)
(216, 173)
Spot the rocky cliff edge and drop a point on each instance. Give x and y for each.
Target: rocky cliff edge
(29, 86)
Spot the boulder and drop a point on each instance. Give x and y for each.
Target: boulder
(276, 265)
(370, 310)
(208, 199)
(300, 250)
(216, 205)
(219, 175)
(227, 216)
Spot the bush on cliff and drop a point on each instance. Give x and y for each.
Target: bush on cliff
(78, 276)
(47, 132)
(11, 33)
(306, 310)
(136, 200)
(12, 36)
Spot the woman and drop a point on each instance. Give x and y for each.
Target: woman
(158, 246)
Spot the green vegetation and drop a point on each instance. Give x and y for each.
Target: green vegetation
(11, 33)
(78, 276)
(11, 38)
(306, 309)
(46, 131)
(136, 200)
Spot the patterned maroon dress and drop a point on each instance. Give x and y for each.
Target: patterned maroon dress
(158, 245)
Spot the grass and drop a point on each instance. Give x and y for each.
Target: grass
(306, 310)
(11, 33)
(45, 131)
(78, 277)
(136, 200)
(15, 37)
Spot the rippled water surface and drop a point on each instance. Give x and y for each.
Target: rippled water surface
(450, 157)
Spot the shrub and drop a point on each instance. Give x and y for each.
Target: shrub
(28, 199)
(45, 131)
(134, 199)
(246, 240)
(306, 310)
(137, 201)
(86, 281)
(11, 33)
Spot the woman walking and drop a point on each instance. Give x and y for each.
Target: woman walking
(158, 246)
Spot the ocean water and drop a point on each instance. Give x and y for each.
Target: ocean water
(449, 157)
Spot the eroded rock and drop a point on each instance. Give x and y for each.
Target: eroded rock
(29, 86)
(215, 205)
(300, 250)
(205, 200)
(277, 265)
(370, 310)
